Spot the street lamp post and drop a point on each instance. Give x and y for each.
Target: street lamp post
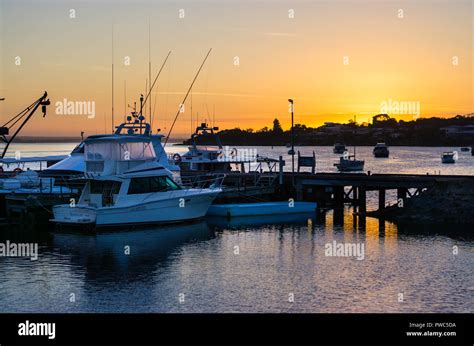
(292, 151)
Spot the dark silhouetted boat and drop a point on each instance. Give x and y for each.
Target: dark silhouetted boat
(381, 150)
(448, 157)
(339, 148)
(348, 163)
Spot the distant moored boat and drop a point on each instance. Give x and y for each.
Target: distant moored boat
(339, 148)
(381, 150)
(348, 163)
(448, 157)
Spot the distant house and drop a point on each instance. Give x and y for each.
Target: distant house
(458, 131)
(330, 127)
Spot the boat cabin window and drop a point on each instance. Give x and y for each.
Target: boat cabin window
(151, 184)
(101, 186)
(119, 151)
(79, 149)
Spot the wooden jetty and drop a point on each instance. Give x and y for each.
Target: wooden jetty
(329, 189)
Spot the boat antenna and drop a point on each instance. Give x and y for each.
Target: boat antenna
(149, 67)
(158, 74)
(185, 97)
(192, 127)
(354, 142)
(124, 100)
(113, 78)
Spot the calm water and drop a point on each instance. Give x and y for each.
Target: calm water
(277, 258)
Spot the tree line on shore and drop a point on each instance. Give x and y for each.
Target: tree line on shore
(419, 132)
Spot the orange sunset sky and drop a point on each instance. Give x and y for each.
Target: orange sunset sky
(336, 59)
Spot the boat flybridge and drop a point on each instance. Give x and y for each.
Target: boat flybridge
(134, 127)
(212, 158)
(125, 184)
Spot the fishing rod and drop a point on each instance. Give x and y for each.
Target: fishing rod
(185, 97)
(156, 78)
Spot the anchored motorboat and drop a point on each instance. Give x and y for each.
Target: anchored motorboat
(339, 148)
(449, 157)
(381, 150)
(348, 163)
(126, 185)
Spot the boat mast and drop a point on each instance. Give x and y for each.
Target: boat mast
(156, 78)
(149, 69)
(113, 78)
(192, 128)
(125, 101)
(354, 142)
(185, 97)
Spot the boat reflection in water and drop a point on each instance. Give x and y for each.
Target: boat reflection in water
(130, 254)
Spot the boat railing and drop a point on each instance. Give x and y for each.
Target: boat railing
(203, 181)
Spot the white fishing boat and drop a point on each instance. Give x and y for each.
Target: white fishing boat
(126, 185)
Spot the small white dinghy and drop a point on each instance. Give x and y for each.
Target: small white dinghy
(264, 208)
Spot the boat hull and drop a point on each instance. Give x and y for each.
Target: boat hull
(383, 154)
(350, 166)
(448, 160)
(175, 209)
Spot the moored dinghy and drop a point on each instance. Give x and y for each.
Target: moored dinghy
(262, 208)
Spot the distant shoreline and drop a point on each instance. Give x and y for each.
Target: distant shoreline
(39, 140)
(53, 140)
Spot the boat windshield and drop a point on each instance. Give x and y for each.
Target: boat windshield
(151, 184)
(79, 149)
(124, 151)
(101, 186)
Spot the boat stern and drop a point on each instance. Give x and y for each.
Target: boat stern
(66, 214)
